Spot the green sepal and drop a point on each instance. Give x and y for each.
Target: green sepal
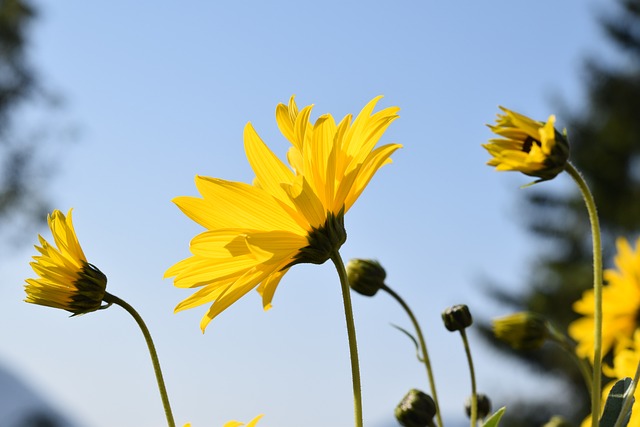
(615, 402)
(494, 419)
(412, 338)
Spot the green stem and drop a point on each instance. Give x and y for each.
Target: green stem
(474, 393)
(423, 348)
(112, 299)
(351, 332)
(597, 290)
(569, 347)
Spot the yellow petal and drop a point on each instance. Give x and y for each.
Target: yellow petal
(269, 170)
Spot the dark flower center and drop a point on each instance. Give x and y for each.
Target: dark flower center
(528, 143)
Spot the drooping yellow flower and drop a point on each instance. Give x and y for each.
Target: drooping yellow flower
(66, 280)
(620, 303)
(252, 423)
(528, 146)
(256, 232)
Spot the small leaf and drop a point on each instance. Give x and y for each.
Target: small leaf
(615, 401)
(415, 341)
(494, 419)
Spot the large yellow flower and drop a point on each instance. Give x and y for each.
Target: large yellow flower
(620, 303)
(288, 215)
(528, 146)
(66, 280)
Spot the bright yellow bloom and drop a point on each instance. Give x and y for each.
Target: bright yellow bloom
(66, 280)
(255, 233)
(620, 303)
(528, 146)
(252, 423)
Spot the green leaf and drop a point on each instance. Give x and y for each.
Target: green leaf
(415, 341)
(615, 401)
(494, 419)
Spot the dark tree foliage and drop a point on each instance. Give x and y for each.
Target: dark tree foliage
(20, 173)
(605, 146)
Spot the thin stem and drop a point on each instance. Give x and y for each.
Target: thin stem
(423, 348)
(351, 332)
(474, 393)
(112, 299)
(569, 347)
(597, 290)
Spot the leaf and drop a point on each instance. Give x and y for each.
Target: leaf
(415, 341)
(494, 419)
(615, 401)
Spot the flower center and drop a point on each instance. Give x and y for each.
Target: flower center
(528, 143)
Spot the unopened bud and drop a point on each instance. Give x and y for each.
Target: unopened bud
(365, 276)
(484, 406)
(457, 318)
(522, 331)
(417, 409)
(557, 421)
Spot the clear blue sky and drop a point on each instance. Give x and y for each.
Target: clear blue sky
(160, 91)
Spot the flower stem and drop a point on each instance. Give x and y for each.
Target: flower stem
(423, 348)
(351, 332)
(474, 393)
(112, 299)
(597, 290)
(568, 346)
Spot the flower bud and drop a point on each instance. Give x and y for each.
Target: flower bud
(457, 317)
(484, 406)
(522, 331)
(365, 276)
(557, 421)
(417, 409)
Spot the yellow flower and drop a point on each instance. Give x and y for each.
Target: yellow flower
(620, 303)
(66, 280)
(256, 232)
(252, 423)
(528, 146)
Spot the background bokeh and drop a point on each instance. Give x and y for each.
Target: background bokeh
(156, 93)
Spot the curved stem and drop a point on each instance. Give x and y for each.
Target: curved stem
(423, 348)
(351, 332)
(112, 299)
(597, 290)
(568, 346)
(474, 393)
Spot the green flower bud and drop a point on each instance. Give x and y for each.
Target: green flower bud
(522, 331)
(484, 406)
(557, 421)
(417, 409)
(457, 317)
(365, 276)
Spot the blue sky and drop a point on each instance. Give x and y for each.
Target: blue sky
(159, 92)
